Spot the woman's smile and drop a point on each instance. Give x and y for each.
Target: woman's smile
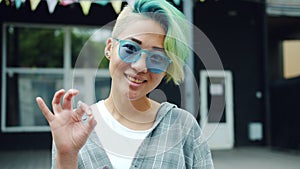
(135, 80)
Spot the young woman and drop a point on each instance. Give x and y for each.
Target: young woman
(128, 129)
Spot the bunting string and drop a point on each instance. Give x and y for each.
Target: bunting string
(85, 4)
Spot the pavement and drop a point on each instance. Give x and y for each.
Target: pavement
(237, 158)
(256, 158)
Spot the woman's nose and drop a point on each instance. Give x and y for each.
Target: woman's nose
(140, 65)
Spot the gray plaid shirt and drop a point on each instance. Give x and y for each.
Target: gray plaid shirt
(176, 142)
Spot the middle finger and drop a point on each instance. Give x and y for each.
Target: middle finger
(67, 100)
(56, 101)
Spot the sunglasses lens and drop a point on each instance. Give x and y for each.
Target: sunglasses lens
(157, 62)
(129, 52)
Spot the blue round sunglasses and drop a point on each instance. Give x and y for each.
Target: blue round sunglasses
(129, 52)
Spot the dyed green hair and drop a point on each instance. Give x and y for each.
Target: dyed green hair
(172, 21)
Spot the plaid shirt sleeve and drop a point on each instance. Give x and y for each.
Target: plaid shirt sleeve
(202, 158)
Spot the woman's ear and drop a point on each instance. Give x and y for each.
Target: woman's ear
(108, 48)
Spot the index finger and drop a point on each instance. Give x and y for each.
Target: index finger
(45, 110)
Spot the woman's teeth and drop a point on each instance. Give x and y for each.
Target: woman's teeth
(134, 80)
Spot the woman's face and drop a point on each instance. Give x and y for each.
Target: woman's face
(134, 79)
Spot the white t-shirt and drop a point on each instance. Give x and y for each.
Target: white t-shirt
(120, 142)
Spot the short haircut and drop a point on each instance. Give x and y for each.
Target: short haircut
(172, 21)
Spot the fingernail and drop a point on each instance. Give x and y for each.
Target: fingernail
(74, 90)
(89, 112)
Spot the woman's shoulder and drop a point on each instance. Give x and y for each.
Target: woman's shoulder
(175, 110)
(171, 112)
(177, 121)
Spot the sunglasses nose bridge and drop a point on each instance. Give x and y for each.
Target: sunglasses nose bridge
(144, 52)
(140, 64)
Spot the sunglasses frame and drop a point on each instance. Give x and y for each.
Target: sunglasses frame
(138, 56)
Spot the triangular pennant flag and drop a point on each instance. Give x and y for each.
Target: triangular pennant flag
(18, 3)
(101, 2)
(116, 5)
(177, 2)
(34, 4)
(85, 5)
(51, 5)
(66, 2)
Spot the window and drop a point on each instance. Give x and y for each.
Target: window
(291, 58)
(41, 59)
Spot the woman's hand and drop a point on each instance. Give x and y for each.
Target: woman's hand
(68, 130)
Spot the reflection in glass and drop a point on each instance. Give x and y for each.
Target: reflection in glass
(34, 47)
(216, 92)
(26, 87)
(88, 47)
(102, 88)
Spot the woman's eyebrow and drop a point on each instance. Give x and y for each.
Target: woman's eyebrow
(140, 42)
(136, 40)
(159, 48)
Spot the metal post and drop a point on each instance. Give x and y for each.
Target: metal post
(189, 97)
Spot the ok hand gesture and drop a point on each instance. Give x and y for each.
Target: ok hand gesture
(68, 130)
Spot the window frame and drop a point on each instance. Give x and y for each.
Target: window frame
(65, 71)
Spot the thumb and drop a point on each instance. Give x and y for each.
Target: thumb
(91, 124)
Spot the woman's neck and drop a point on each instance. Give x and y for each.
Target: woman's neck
(138, 114)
